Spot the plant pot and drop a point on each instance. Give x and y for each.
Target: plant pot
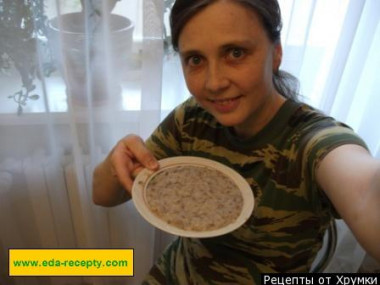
(92, 56)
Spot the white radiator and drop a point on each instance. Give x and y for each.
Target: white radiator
(42, 206)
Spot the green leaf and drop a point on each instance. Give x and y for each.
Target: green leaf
(34, 97)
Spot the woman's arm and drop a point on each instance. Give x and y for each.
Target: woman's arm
(113, 178)
(350, 178)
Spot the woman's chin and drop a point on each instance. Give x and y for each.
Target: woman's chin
(227, 120)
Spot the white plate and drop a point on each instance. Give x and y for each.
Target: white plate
(138, 194)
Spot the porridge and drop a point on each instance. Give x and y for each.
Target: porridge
(194, 198)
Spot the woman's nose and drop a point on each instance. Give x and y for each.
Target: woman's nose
(216, 79)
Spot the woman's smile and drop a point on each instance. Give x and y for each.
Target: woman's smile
(226, 105)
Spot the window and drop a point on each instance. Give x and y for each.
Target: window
(54, 85)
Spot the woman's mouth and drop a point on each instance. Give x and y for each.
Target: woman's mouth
(225, 105)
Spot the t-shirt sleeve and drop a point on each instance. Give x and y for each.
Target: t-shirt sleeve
(322, 143)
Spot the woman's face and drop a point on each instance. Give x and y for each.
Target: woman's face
(228, 63)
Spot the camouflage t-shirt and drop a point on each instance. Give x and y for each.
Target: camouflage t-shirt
(291, 213)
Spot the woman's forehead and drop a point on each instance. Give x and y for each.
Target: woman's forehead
(221, 21)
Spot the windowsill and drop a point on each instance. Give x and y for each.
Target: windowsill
(125, 107)
(57, 100)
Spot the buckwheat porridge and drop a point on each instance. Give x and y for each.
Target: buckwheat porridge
(194, 198)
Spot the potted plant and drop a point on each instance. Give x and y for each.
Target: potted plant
(23, 33)
(91, 47)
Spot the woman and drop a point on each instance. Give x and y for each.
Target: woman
(303, 167)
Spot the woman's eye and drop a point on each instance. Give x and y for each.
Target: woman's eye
(194, 60)
(236, 53)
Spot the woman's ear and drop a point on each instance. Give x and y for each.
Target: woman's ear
(277, 57)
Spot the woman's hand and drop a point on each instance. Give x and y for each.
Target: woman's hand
(113, 178)
(128, 158)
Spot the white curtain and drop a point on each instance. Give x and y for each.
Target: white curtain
(48, 152)
(107, 84)
(333, 46)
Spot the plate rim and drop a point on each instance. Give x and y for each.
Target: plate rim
(145, 175)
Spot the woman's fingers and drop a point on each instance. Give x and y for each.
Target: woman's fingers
(129, 157)
(122, 166)
(140, 152)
